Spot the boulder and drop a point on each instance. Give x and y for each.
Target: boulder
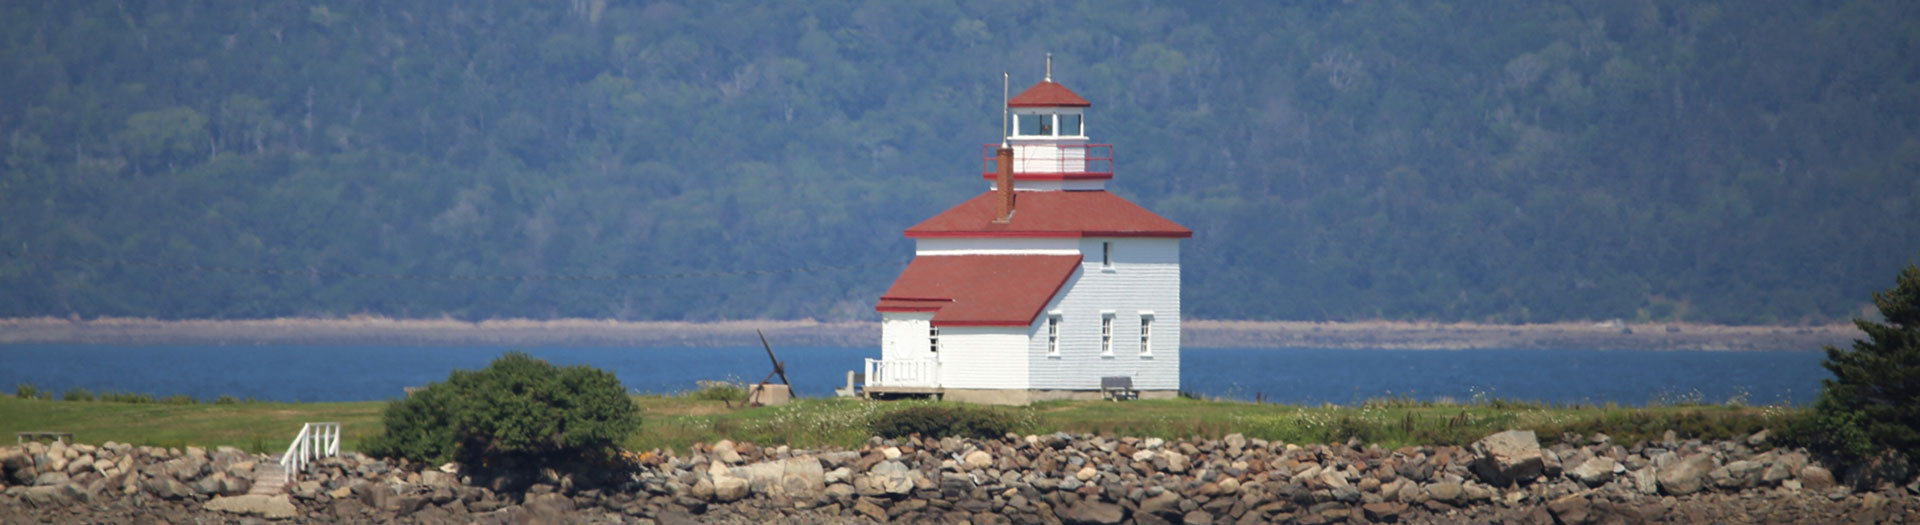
(45, 496)
(1815, 477)
(1093, 512)
(802, 477)
(1165, 505)
(978, 459)
(725, 451)
(1571, 508)
(730, 489)
(1383, 512)
(270, 507)
(1508, 457)
(1686, 476)
(1594, 472)
(1445, 491)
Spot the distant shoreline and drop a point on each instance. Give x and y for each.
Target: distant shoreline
(1198, 333)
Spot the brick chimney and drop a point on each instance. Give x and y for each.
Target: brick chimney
(1003, 161)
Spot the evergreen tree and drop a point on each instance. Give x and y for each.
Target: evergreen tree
(1873, 403)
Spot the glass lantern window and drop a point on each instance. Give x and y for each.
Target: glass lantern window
(1070, 125)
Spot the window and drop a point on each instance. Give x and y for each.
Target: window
(1053, 335)
(933, 338)
(1146, 334)
(1106, 255)
(1033, 125)
(1106, 335)
(1069, 125)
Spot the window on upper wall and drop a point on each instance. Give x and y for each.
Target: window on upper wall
(1069, 125)
(1146, 335)
(1106, 335)
(933, 338)
(1106, 255)
(1053, 335)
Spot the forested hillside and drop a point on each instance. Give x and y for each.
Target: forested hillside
(1737, 161)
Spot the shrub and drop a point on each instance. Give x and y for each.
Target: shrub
(77, 394)
(517, 406)
(1872, 406)
(225, 400)
(718, 391)
(26, 391)
(943, 421)
(178, 399)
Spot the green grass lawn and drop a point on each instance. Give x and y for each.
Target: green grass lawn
(676, 422)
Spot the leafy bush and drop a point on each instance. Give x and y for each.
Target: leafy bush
(517, 406)
(718, 391)
(943, 421)
(26, 391)
(77, 394)
(1872, 406)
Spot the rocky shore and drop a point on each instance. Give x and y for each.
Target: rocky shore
(1505, 478)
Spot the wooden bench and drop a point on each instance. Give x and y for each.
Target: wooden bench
(22, 437)
(1118, 388)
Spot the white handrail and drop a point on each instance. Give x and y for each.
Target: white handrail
(315, 441)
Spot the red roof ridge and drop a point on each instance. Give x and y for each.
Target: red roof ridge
(1048, 94)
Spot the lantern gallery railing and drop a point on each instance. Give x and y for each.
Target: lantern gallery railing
(1066, 161)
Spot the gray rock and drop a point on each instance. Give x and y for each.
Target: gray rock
(270, 507)
(1094, 512)
(978, 459)
(1686, 476)
(1446, 491)
(50, 479)
(1743, 473)
(167, 488)
(1757, 439)
(1645, 481)
(1594, 471)
(1508, 457)
(1571, 508)
(1166, 505)
(725, 451)
(729, 488)
(1815, 477)
(802, 477)
(1198, 517)
(45, 496)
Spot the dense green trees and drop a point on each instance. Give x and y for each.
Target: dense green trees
(517, 407)
(1500, 161)
(1873, 403)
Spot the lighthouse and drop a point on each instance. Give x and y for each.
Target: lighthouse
(1045, 286)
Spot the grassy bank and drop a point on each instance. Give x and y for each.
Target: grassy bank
(676, 422)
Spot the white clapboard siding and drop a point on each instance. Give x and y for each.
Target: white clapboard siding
(987, 357)
(1145, 278)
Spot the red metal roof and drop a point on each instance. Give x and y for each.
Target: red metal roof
(1048, 94)
(1050, 214)
(979, 290)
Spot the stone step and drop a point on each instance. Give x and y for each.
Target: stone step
(269, 478)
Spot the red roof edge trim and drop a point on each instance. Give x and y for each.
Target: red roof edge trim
(904, 298)
(906, 309)
(984, 323)
(1051, 235)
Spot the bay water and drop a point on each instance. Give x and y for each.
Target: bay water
(1284, 375)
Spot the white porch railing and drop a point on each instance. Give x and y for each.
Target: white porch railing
(914, 373)
(316, 440)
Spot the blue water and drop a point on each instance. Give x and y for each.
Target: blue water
(1289, 375)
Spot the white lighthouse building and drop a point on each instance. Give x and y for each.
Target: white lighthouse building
(1044, 287)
